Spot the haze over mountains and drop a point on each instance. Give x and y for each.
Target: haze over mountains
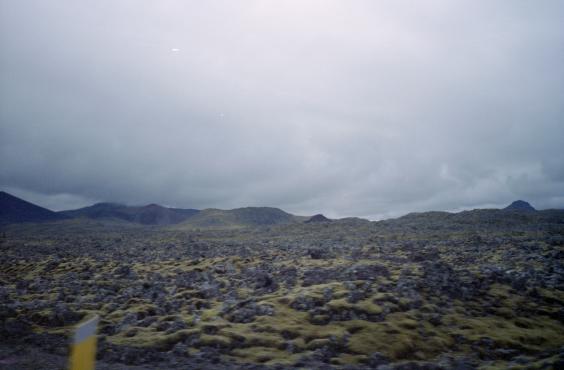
(152, 214)
(16, 210)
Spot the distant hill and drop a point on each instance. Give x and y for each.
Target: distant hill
(152, 214)
(519, 205)
(480, 219)
(17, 210)
(239, 217)
(14, 209)
(317, 219)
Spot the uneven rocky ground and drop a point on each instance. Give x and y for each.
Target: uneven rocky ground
(481, 289)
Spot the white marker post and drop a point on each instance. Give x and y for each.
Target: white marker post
(83, 348)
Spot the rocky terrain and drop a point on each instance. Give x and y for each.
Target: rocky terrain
(477, 289)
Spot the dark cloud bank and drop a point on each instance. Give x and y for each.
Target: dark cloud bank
(361, 108)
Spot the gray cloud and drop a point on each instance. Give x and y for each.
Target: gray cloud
(343, 107)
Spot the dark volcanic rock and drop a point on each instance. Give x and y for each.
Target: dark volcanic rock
(367, 272)
(15, 328)
(319, 276)
(246, 311)
(319, 253)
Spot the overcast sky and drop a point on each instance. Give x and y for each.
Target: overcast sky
(347, 108)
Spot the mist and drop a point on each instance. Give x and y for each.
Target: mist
(346, 108)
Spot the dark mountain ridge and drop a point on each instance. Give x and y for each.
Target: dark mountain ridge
(152, 214)
(479, 219)
(520, 205)
(239, 217)
(14, 209)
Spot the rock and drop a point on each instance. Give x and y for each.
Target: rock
(131, 356)
(305, 303)
(128, 320)
(439, 278)
(263, 281)
(176, 326)
(124, 271)
(376, 359)
(327, 294)
(209, 290)
(357, 293)
(522, 360)
(180, 349)
(15, 328)
(506, 353)
(288, 276)
(436, 319)
(220, 269)
(367, 272)
(320, 276)
(247, 311)
(318, 253)
(63, 316)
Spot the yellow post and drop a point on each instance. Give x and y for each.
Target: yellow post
(83, 348)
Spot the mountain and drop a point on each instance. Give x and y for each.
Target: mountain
(317, 219)
(14, 209)
(519, 205)
(483, 220)
(152, 214)
(239, 217)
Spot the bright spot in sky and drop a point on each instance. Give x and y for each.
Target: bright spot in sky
(175, 50)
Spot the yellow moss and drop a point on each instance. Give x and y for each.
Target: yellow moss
(265, 355)
(339, 304)
(349, 359)
(211, 313)
(317, 343)
(395, 338)
(375, 339)
(369, 307)
(556, 296)
(217, 341)
(143, 308)
(299, 343)
(533, 334)
(145, 337)
(264, 340)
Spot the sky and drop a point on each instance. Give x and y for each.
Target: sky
(347, 108)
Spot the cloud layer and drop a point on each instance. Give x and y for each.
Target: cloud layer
(358, 108)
